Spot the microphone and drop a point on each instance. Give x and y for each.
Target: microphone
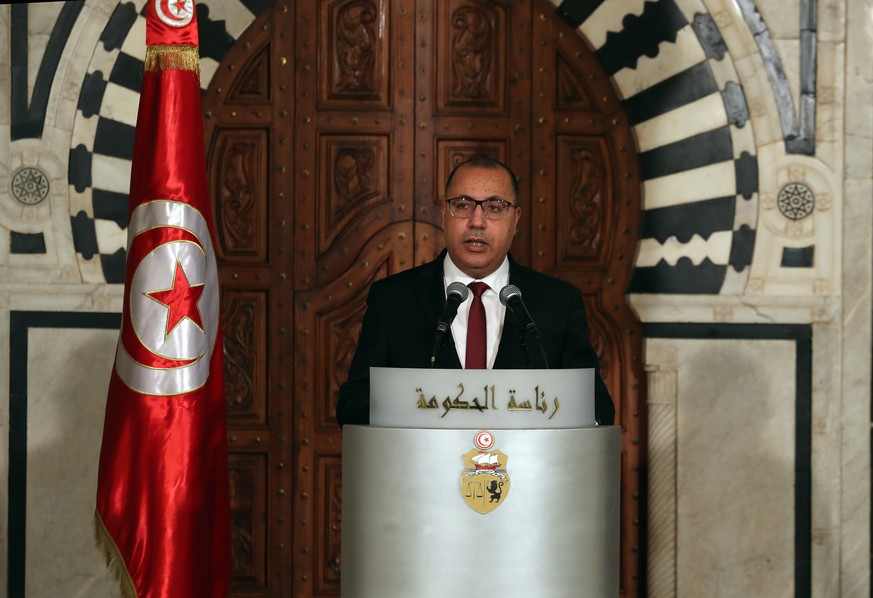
(510, 296)
(456, 293)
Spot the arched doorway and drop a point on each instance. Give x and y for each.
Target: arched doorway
(330, 128)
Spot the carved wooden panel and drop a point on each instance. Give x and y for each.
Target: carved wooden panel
(329, 521)
(353, 179)
(354, 53)
(247, 487)
(238, 168)
(474, 36)
(244, 322)
(570, 90)
(583, 184)
(253, 84)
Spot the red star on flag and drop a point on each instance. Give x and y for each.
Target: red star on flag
(181, 300)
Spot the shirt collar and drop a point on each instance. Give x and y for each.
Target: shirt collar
(496, 280)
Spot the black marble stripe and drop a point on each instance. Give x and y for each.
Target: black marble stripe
(641, 36)
(798, 257)
(256, 7)
(120, 22)
(91, 95)
(84, 235)
(28, 121)
(671, 93)
(127, 72)
(709, 36)
(683, 278)
(746, 169)
(79, 173)
(215, 41)
(19, 324)
(26, 243)
(110, 205)
(735, 106)
(801, 334)
(684, 221)
(113, 266)
(742, 248)
(576, 12)
(114, 139)
(18, 60)
(700, 150)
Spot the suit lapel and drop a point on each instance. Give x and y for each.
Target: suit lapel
(431, 296)
(509, 352)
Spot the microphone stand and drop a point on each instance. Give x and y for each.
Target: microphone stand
(534, 334)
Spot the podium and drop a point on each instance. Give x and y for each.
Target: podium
(480, 481)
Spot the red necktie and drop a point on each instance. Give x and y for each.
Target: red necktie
(476, 354)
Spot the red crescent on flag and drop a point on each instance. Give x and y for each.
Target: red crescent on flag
(168, 15)
(170, 312)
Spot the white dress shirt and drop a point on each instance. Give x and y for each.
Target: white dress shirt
(494, 310)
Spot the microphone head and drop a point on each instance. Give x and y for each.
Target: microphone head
(509, 293)
(459, 289)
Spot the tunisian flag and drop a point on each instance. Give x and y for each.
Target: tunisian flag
(163, 507)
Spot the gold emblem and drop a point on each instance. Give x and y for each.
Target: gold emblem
(484, 480)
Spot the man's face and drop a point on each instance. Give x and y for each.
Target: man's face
(475, 244)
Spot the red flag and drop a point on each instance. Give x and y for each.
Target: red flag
(163, 508)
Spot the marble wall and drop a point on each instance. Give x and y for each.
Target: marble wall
(753, 279)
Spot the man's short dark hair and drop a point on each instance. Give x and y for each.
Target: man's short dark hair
(487, 163)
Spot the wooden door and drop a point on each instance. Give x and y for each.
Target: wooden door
(331, 127)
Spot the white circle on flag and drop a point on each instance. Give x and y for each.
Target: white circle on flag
(175, 13)
(186, 341)
(150, 318)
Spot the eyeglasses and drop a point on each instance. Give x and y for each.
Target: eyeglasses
(493, 208)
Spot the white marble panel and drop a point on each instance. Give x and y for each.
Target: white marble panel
(705, 114)
(208, 67)
(717, 248)
(719, 180)
(733, 28)
(110, 237)
(735, 468)
(111, 174)
(135, 42)
(120, 104)
(68, 377)
(781, 18)
(829, 98)
(759, 97)
(832, 20)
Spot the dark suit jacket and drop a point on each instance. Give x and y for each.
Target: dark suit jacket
(403, 311)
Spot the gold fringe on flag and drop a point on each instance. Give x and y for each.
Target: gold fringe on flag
(113, 558)
(167, 58)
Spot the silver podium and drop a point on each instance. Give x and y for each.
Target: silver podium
(434, 510)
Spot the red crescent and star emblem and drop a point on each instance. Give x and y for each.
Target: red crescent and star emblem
(170, 316)
(175, 13)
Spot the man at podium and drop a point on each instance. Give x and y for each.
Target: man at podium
(473, 305)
